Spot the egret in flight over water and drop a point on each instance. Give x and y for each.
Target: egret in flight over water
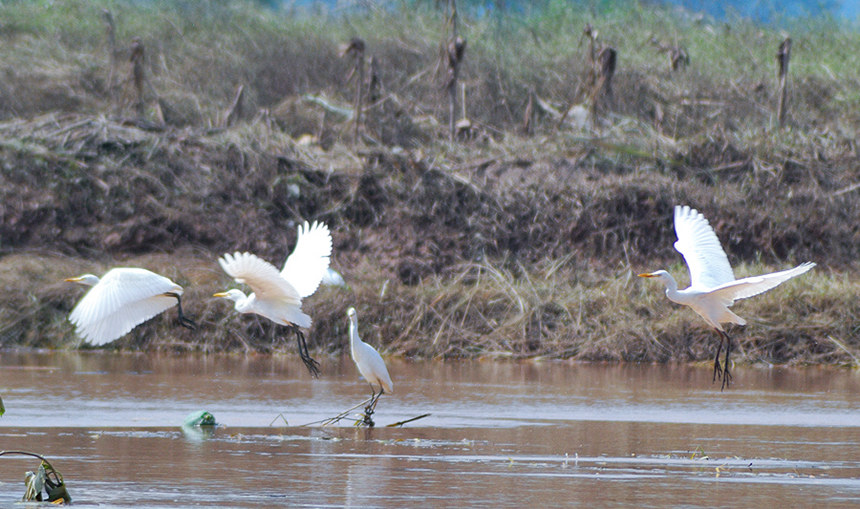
(369, 363)
(277, 295)
(122, 299)
(713, 287)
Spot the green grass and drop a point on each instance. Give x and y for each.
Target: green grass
(205, 53)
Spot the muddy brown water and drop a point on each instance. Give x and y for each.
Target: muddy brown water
(500, 434)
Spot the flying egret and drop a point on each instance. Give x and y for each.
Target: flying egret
(277, 295)
(713, 287)
(122, 299)
(369, 363)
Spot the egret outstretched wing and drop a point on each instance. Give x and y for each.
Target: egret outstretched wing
(749, 286)
(713, 288)
(697, 242)
(261, 276)
(306, 266)
(122, 299)
(278, 294)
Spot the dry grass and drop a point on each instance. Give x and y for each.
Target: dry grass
(589, 312)
(468, 260)
(502, 245)
(197, 57)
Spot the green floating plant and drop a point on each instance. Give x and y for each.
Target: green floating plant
(45, 484)
(200, 418)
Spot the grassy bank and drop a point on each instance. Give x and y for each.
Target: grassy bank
(470, 310)
(503, 244)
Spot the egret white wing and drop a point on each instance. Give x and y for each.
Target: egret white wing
(382, 373)
(749, 286)
(120, 322)
(261, 276)
(372, 367)
(709, 266)
(122, 299)
(307, 265)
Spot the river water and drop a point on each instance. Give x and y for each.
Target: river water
(500, 434)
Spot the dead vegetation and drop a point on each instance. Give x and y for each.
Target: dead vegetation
(496, 245)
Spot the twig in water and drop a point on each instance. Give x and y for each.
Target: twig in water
(282, 417)
(401, 423)
(338, 417)
(26, 453)
(367, 420)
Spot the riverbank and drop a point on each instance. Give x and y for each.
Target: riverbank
(504, 243)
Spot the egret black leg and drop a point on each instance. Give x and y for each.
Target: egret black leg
(374, 398)
(183, 320)
(368, 420)
(717, 367)
(312, 365)
(727, 376)
(368, 410)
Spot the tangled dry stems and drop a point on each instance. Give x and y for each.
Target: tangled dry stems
(475, 310)
(504, 245)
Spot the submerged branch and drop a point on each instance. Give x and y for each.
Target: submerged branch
(338, 417)
(401, 423)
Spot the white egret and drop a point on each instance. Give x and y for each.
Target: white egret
(369, 363)
(713, 287)
(122, 299)
(277, 295)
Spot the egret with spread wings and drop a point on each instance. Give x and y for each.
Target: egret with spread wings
(277, 295)
(713, 287)
(122, 299)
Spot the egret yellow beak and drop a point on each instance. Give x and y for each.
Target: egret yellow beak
(72, 279)
(220, 294)
(646, 275)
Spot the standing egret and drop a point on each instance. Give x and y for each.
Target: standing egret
(122, 299)
(277, 295)
(713, 287)
(369, 363)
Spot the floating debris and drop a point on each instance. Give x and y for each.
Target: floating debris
(45, 484)
(406, 421)
(199, 426)
(200, 418)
